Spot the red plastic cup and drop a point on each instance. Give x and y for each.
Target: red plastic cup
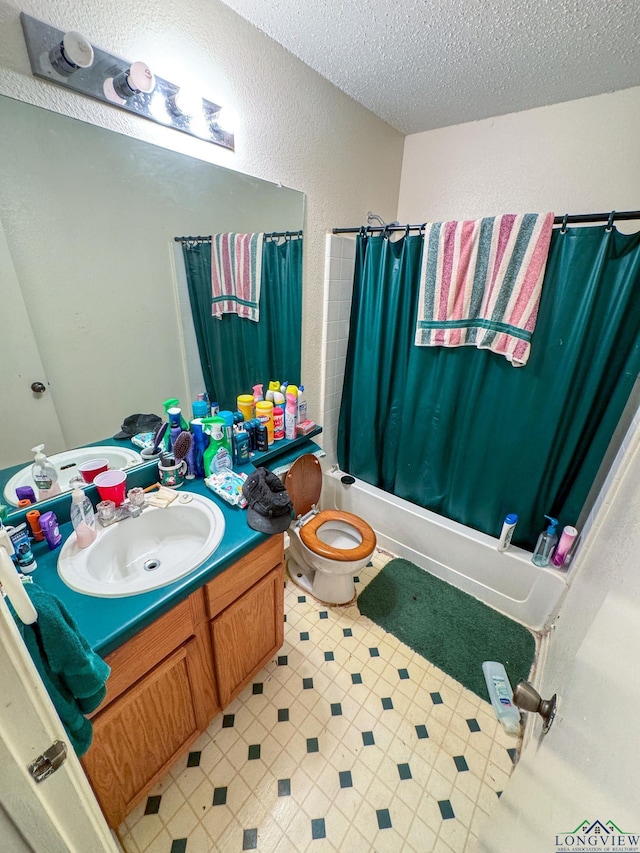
(111, 486)
(92, 468)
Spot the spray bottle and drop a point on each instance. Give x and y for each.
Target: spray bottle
(291, 412)
(218, 455)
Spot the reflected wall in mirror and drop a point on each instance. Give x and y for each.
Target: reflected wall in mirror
(88, 268)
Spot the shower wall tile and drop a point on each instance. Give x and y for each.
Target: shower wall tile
(339, 261)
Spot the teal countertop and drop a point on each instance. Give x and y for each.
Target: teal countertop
(106, 623)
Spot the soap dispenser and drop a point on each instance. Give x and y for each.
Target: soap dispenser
(83, 518)
(546, 543)
(44, 474)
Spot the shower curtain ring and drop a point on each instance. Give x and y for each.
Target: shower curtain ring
(610, 221)
(423, 228)
(406, 231)
(563, 230)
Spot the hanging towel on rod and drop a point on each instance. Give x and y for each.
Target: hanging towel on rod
(236, 271)
(480, 283)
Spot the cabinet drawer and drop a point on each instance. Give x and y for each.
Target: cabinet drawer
(234, 581)
(141, 653)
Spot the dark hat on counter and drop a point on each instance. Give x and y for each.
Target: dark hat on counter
(134, 424)
(269, 507)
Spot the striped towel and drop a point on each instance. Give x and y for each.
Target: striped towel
(236, 270)
(480, 283)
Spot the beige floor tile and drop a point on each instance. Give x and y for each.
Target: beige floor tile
(284, 823)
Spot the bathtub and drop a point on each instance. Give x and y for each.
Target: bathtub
(507, 581)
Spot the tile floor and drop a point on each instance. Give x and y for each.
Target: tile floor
(347, 741)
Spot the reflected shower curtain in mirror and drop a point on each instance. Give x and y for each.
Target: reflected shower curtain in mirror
(459, 431)
(236, 353)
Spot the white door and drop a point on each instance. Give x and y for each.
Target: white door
(59, 814)
(26, 418)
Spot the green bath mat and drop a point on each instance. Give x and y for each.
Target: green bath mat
(451, 629)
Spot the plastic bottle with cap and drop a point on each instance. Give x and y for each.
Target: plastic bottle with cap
(508, 526)
(83, 518)
(291, 412)
(44, 474)
(546, 543)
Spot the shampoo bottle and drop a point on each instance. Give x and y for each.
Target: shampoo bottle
(82, 518)
(302, 405)
(200, 444)
(546, 543)
(508, 526)
(44, 475)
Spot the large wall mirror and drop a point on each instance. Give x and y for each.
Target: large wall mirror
(89, 272)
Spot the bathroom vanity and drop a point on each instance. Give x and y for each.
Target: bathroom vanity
(171, 678)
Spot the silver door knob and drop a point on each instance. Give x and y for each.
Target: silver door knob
(38, 387)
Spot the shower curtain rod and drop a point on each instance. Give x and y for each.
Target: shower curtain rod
(567, 219)
(265, 234)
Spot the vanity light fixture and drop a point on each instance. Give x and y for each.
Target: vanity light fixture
(68, 59)
(137, 79)
(72, 53)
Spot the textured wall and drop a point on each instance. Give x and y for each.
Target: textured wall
(577, 157)
(293, 126)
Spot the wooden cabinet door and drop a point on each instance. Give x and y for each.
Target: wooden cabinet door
(138, 735)
(247, 634)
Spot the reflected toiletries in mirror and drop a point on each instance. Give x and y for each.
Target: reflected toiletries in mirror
(92, 280)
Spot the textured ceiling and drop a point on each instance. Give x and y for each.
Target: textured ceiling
(422, 64)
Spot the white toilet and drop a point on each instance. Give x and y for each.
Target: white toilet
(328, 547)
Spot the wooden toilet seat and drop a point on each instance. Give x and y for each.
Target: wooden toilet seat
(309, 536)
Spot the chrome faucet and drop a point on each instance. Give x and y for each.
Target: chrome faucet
(109, 513)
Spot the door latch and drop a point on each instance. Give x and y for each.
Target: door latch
(47, 763)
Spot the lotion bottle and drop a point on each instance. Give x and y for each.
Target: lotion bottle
(82, 518)
(501, 696)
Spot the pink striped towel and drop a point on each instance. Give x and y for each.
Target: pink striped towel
(236, 270)
(480, 283)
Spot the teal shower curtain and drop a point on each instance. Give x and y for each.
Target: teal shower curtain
(462, 432)
(236, 353)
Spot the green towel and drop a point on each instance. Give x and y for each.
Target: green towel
(73, 674)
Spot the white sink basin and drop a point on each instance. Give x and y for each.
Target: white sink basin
(138, 554)
(67, 466)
